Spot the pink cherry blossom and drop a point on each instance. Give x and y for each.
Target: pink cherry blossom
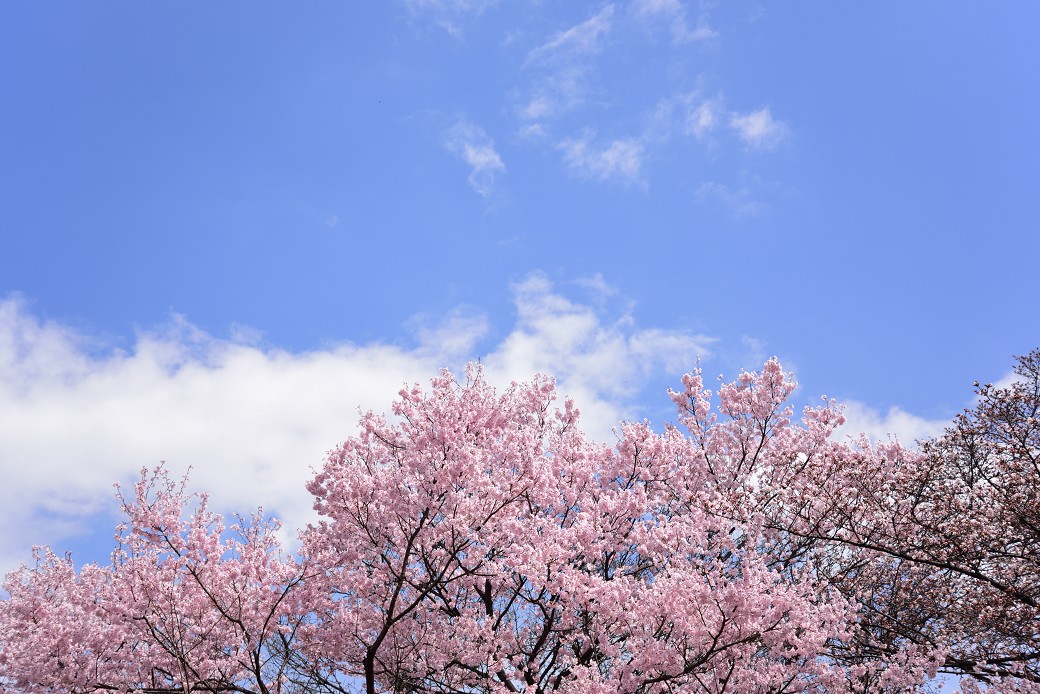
(477, 541)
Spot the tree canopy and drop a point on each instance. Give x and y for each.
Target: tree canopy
(477, 541)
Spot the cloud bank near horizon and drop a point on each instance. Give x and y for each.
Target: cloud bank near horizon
(252, 422)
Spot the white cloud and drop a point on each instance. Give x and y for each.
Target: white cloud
(703, 119)
(599, 363)
(252, 422)
(621, 160)
(1007, 380)
(757, 129)
(673, 13)
(472, 145)
(904, 426)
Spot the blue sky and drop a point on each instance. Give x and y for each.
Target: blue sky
(226, 225)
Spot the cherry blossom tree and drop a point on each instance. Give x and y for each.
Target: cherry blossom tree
(186, 605)
(476, 541)
(939, 549)
(481, 543)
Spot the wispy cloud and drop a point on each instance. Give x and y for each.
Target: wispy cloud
(533, 132)
(597, 285)
(453, 337)
(555, 93)
(539, 106)
(253, 421)
(673, 14)
(562, 65)
(619, 160)
(702, 119)
(564, 84)
(738, 200)
(473, 146)
(449, 15)
(757, 129)
(689, 114)
(451, 5)
(579, 40)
